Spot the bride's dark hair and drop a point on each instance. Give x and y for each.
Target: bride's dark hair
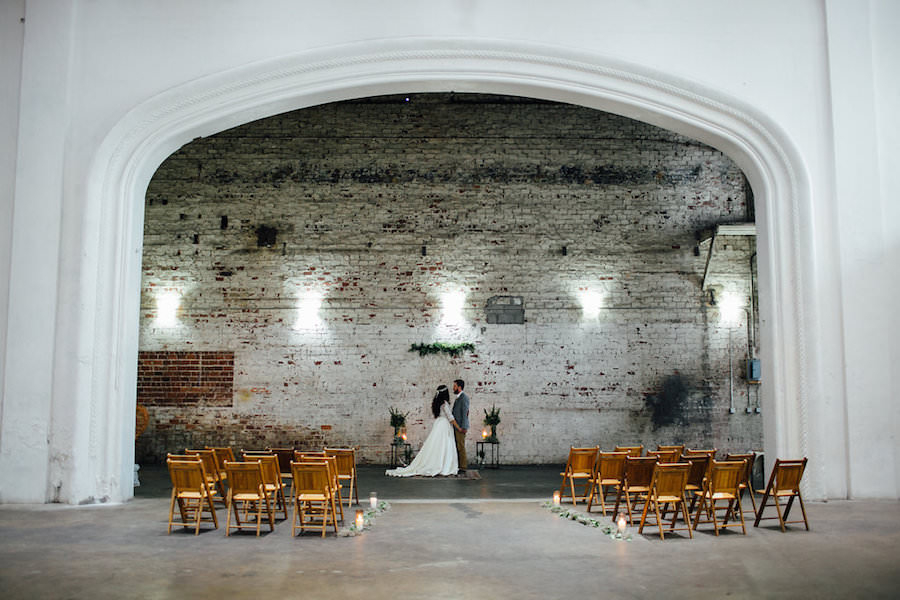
(442, 396)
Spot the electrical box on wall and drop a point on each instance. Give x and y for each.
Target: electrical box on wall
(753, 370)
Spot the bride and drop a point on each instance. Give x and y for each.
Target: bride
(438, 453)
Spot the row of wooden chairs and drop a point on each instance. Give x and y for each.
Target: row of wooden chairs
(657, 478)
(258, 484)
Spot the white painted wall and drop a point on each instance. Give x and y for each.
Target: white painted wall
(802, 95)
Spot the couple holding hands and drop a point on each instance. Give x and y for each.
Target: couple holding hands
(444, 450)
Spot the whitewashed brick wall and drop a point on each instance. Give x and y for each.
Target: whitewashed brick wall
(494, 189)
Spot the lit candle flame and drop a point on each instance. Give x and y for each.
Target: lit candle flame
(360, 519)
(556, 498)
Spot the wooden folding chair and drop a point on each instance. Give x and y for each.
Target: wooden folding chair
(222, 454)
(346, 469)
(667, 487)
(689, 452)
(696, 476)
(211, 468)
(580, 466)
(610, 471)
(638, 477)
(679, 450)
(664, 456)
(784, 482)
(746, 483)
(331, 461)
(285, 456)
(631, 450)
(313, 497)
(192, 492)
(271, 478)
(721, 484)
(247, 490)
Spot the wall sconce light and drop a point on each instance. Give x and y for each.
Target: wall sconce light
(453, 303)
(308, 311)
(731, 307)
(591, 303)
(167, 308)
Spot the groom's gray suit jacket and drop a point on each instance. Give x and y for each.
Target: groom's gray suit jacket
(461, 411)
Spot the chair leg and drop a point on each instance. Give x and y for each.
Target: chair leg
(228, 507)
(803, 510)
(659, 522)
(780, 516)
(644, 517)
(618, 500)
(687, 516)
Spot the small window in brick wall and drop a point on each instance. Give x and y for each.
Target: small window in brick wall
(505, 310)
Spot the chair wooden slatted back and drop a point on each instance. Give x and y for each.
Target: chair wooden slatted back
(784, 482)
(667, 487)
(696, 476)
(664, 456)
(285, 456)
(679, 450)
(610, 472)
(690, 452)
(346, 468)
(722, 484)
(579, 466)
(191, 491)
(247, 488)
(211, 468)
(331, 461)
(638, 477)
(313, 496)
(631, 450)
(747, 480)
(271, 473)
(222, 454)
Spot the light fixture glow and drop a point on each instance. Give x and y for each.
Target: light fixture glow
(308, 307)
(167, 308)
(452, 304)
(591, 303)
(731, 306)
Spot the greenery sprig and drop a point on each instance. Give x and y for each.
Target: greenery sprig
(607, 528)
(453, 350)
(398, 419)
(493, 417)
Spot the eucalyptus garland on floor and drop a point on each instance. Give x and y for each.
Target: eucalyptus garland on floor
(453, 350)
(369, 515)
(608, 528)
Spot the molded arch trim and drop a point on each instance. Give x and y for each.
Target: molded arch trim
(150, 132)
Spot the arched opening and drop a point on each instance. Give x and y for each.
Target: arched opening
(601, 267)
(142, 140)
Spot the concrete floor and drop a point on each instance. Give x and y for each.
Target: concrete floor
(486, 538)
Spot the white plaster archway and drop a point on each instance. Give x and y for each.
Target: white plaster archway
(139, 143)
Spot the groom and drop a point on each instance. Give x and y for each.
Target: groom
(460, 423)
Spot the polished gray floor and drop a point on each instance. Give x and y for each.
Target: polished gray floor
(479, 538)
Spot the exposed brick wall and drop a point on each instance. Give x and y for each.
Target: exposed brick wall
(381, 206)
(171, 378)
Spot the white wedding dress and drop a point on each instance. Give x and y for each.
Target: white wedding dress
(438, 453)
